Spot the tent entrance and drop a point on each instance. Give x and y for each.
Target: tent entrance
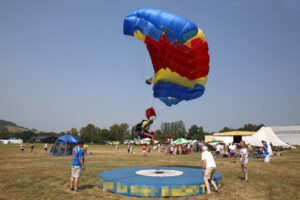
(237, 139)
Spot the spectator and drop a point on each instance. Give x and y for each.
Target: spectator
(128, 148)
(180, 149)
(188, 148)
(218, 147)
(232, 149)
(222, 150)
(31, 148)
(22, 147)
(209, 164)
(77, 166)
(117, 146)
(244, 159)
(144, 148)
(259, 153)
(175, 150)
(131, 148)
(268, 152)
(166, 150)
(85, 149)
(170, 150)
(45, 147)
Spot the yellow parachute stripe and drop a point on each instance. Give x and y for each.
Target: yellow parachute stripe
(200, 35)
(139, 35)
(168, 76)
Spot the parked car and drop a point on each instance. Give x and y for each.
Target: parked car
(128, 141)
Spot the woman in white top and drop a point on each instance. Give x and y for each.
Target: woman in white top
(244, 159)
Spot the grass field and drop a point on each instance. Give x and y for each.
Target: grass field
(40, 176)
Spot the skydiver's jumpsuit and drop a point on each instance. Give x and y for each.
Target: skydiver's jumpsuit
(146, 132)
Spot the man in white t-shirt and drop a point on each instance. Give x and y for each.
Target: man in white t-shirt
(244, 159)
(218, 147)
(208, 162)
(232, 149)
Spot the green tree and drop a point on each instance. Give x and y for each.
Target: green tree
(196, 133)
(173, 129)
(73, 132)
(246, 127)
(104, 136)
(89, 133)
(6, 134)
(118, 132)
(160, 136)
(25, 135)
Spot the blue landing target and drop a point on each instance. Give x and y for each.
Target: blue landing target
(155, 181)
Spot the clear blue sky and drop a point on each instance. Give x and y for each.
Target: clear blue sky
(66, 63)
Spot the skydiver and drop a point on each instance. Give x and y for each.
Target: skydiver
(149, 81)
(145, 130)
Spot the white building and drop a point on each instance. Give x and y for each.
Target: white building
(12, 141)
(229, 137)
(288, 134)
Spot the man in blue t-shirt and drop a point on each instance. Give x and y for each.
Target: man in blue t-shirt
(77, 166)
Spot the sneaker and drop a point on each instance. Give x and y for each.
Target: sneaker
(208, 192)
(245, 180)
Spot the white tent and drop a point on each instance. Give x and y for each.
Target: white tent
(265, 133)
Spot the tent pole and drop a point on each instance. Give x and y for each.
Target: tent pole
(66, 148)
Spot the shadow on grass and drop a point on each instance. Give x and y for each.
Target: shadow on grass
(185, 166)
(89, 186)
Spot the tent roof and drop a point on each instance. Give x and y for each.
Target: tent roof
(235, 133)
(265, 133)
(68, 139)
(181, 141)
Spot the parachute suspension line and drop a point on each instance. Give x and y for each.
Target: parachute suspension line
(151, 101)
(137, 50)
(162, 111)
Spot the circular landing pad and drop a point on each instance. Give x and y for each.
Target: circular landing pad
(155, 181)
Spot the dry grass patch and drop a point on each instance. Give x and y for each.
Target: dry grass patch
(41, 176)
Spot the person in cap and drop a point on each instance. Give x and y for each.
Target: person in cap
(77, 166)
(208, 163)
(244, 159)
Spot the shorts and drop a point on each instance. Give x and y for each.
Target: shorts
(232, 154)
(218, 152)
(210, 173)
(244, 168)
(76, 171)
(144, 151)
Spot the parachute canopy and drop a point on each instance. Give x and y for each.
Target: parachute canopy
(150, 112)
(178, 51)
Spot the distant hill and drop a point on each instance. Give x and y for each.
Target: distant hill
(11, 127)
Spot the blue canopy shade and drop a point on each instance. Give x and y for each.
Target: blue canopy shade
(68, 139)
(64, 145)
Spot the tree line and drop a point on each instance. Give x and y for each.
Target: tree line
(121, 132)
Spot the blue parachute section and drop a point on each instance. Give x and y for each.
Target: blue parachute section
(153, 22)
(164, 90)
